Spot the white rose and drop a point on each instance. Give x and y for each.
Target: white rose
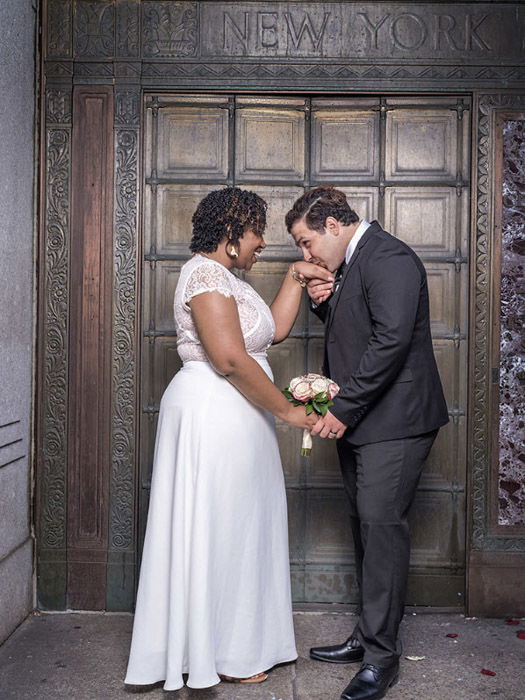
(302, 391)
(320, 384)
(295, 381)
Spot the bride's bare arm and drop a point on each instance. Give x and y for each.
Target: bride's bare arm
(286, 304)
(217, 322)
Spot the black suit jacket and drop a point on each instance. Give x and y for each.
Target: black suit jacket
(378, 346)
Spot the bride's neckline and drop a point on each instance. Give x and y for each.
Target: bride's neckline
(205, 257)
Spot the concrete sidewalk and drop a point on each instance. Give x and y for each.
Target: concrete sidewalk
(83, 657)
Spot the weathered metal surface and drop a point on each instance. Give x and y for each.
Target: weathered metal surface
(403, 159)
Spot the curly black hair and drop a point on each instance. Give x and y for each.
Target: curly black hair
(226, 213)
(317, 205)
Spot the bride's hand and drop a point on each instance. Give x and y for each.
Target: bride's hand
(320, 281)
(309, 271)
(296, 416)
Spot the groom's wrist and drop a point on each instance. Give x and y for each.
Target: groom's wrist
(351, 417)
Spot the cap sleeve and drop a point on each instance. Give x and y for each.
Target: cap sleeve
(208, 277)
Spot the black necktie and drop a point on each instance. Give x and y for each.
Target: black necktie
(339, 275)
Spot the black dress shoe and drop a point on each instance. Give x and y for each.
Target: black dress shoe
(371, 682)
(346, 653)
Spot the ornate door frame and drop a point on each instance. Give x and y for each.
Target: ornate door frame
(472, 48)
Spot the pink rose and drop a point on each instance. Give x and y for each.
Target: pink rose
(333, 389)
(302, 391)
(295, 381)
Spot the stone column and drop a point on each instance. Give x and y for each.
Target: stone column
(17, 98)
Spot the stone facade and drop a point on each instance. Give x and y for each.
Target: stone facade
(512, 352)
(17, 97)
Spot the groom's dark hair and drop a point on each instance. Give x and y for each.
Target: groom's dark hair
(316, 205)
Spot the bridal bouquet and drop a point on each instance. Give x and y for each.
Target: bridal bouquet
(316, 393)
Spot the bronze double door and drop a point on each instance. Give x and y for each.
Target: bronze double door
(402, 160)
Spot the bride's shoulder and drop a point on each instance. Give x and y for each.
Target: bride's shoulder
(201, 274)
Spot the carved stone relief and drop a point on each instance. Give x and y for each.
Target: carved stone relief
(94, 28)
(59, 28)
(169, 29)
(123, 364)
(332, 75)
(127, 107)
(58, 106)
(361, 31)
(55, 321)
(124, 355)
(127, 28)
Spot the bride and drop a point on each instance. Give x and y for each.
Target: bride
(214, 596)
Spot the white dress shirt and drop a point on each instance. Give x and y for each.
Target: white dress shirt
(360, 231)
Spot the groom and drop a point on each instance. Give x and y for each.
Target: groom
(378, 348)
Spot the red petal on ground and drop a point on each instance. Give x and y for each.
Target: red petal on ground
(521, 635)
(452, 634)
(512, 622)
(487, 672)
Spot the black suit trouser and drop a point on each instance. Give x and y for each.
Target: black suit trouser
(380, 480)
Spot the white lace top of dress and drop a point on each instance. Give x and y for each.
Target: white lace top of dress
(200, 274)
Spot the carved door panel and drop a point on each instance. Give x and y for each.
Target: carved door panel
(403, 161)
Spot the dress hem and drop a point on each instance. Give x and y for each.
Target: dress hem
(265, 668)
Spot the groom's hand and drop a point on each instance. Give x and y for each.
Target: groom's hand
(319, 280)
(319, 290)
(329, 427)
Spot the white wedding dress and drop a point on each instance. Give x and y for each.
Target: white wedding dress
(214, 590)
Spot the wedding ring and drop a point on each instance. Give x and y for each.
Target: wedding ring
(333, 432)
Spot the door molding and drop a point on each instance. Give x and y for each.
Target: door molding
(484, 533)
(90, 341)
(496, 553)
(125, 348)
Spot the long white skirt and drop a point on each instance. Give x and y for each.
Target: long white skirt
(214, 590)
